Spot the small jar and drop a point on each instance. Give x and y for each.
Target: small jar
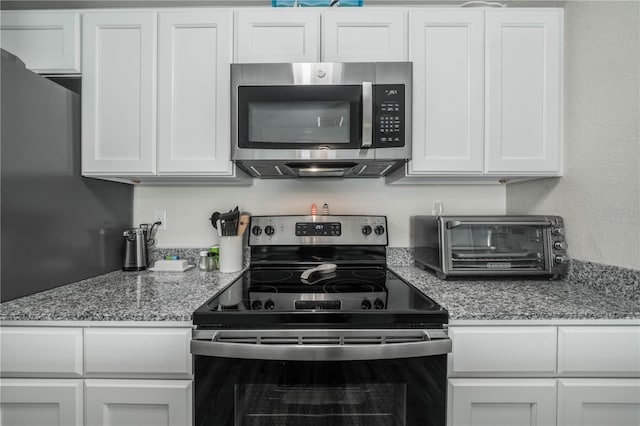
(208, 261)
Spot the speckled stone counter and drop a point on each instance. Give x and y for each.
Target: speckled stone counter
(519, 299)
(121, 296)
(590, 292)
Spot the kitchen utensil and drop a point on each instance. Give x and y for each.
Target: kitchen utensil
(323, 268)
(243, 224)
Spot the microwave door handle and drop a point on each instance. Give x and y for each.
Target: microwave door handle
(456, 223)
(367, 114)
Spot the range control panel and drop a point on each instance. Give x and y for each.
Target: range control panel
(318, 230)
(389, 123)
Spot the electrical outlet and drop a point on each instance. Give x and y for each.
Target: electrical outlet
(160, 216)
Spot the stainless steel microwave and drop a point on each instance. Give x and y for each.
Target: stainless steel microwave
(321, 119)
(490, 245)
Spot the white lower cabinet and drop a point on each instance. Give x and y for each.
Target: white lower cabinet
(38, 402)
(567, 375)
(597, 402)
(138, 402)
(132, 376)
(502, 402)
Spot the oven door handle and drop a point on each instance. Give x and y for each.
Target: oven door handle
(320, 352)
(456, 223)
(367, 114)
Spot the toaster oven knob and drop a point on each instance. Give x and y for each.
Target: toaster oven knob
(378, 304)
(559, 245)
(256, 305)
(269, 305)
(557, 231)
(269, 230)
(366, 304)
(379, 230)
(366, 230)
(559, 260)
(256, 230)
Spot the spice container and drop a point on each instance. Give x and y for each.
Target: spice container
(208, 261)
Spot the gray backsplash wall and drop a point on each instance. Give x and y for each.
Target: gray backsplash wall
(57, 227)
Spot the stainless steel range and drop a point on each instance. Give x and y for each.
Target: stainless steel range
(319, 332)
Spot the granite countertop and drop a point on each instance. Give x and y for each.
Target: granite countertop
(172, 296)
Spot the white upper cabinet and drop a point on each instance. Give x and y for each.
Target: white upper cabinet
(320, 34)
(277, 35)
(364, 35)
(118, 90)
(47, 41)
(194, 55)
(447, 51)
(524, 91)
(487, 103)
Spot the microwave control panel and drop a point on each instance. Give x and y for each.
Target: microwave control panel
(389, 121)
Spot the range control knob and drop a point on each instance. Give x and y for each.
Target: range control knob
(559, 259)
(560, 245)
(256, 305)
(269, 230)
(256, 230)
(366, 304)
(366, 230)
(269, 305)
(378, 304)
(379, 230)
(557, 231)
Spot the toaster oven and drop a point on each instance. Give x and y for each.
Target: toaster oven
(490, 245)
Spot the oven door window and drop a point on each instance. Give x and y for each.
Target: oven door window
(299, 117)
(304, 405)
(497, 247)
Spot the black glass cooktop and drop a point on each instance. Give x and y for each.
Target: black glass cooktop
(365, 297)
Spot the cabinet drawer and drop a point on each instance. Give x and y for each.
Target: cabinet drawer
(502, 351)
(599, 351)
(41, 352)
(138, 352)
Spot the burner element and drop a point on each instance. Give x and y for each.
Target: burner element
(269, 275)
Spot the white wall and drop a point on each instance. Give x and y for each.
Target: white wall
(188, 208)
(599, 195)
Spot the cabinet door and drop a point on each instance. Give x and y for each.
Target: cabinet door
(446, 47)
(194, 53)
(118, 91)
(502, 402)
(275, 35)
(367, 35)
(38, 402)
(138, 402)
(524, 91)
(47, 41)
(597, 402)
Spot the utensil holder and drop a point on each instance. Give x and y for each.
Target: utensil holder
(230, 253)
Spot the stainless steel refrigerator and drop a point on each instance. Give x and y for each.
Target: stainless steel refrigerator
(57, 227)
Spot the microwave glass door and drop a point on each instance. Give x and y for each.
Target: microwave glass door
(497, 247)
(300, 117)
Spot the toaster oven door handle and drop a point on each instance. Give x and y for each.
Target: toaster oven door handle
(367, 114)
(456, 223)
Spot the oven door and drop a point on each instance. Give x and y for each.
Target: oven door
(351, 377)
(480, 246)
(304, 118)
